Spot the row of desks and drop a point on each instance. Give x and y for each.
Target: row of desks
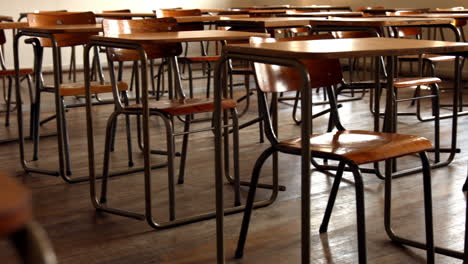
(282, 52)
(276, 22)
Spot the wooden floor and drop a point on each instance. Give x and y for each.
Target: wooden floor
(82, 235)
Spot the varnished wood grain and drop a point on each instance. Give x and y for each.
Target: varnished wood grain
(13, 25)
(379, 21)
(180, 36)
(322, 14)
(341, 48)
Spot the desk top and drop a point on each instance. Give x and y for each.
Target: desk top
(123, 14)
(82, 28)
(13, 25)
(448, 10)
(266, 7)
(341, 48)
(179, 36)
(6, 18)
(268, 22)
(440, 15)
(195, 19)
(379, 21)
(324, 14)
(321, 7)
(384, 10)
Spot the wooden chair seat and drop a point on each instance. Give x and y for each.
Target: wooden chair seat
(5, 73)
(15, 206)
(414, 81)
(399, 82)
(362, 147)
(77, 88)
(430, 57)
(184, 106)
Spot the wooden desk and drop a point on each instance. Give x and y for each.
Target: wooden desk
(13, 25)
(208, 19)
(289, 54)
(265, 7)
(123, 14)
(373, 22)
(438, 15)
(321, 8)
(46, 32)
(383, 11)
(265, 22)
(6, 18)
(135, 41)
(324, 14)
(443, 11)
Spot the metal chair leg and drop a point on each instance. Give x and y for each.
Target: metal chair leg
(66, 140)
(429, 246)
(331, 199)
(107, 150)
(8, 101)
(250, 200)
(360, 212)
(185, 139)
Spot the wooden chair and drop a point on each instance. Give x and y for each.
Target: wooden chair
(351, 148)
(429, 60)
(17, 225)
(400, 83)
(165, 109)
(204, 59)
(25, 73)
(65, 89)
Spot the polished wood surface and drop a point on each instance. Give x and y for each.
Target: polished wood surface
(180, 36)
(142, 26)
(321, 7)
(78, 89)
(62, 19)
(449, 10)
(58, 29)
(6, 18)
(440, 15)
(341, 48)
(15, 205)
(274, 78)
(123, 14)
(266, 22)
(322, 14)
(416, 81)
(379, 21)
(194, 19)
(13, 25)
(362, 147)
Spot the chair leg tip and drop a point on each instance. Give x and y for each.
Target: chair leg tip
(323, 229)
(239, 254)
(180, 182)
(237, 203)
(69, 173)
(131, 164)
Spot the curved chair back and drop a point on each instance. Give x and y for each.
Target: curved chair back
(274, 78)
(161, 13)
(153, 51)
(407, 31)
(63, 18)
(116, 11)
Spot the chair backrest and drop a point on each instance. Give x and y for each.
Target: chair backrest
(116, 11)
(63, 18)
(354, 34)
(407, 31)
(274, 78)
(153, 51)
(161, 13)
